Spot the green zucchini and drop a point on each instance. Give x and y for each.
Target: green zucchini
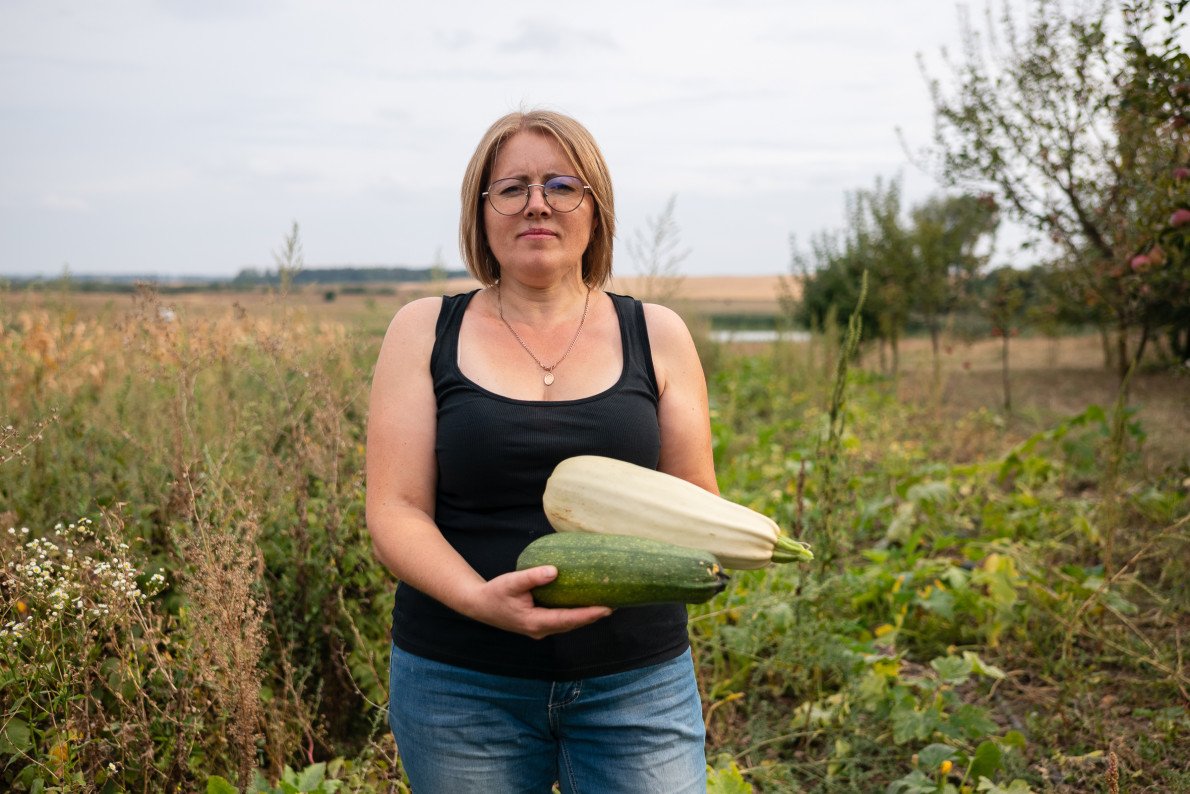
(618, 571)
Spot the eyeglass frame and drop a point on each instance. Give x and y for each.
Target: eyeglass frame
(529, 193)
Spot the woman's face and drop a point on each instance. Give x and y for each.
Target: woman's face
(538, 243)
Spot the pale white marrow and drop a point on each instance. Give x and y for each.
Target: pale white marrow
(591, 493)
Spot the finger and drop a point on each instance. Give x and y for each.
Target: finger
(584, 614)
(555, 620)
(523, 581)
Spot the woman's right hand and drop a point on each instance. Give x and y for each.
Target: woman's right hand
(506, 602)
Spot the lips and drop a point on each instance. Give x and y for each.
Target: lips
(537, 233)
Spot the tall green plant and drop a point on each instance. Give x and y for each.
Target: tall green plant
(828, 456)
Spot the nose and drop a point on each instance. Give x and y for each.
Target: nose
(536, 203)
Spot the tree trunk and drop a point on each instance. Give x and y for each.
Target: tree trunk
(1122, 362)
(1105, 339)
(1179, 343)
(1142, 344)
(936, 344)
(1004, 373)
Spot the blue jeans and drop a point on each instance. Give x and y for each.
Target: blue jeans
(459, 731)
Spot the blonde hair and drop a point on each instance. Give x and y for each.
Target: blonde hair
(580, 147)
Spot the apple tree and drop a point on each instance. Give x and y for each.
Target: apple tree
(1071, 121)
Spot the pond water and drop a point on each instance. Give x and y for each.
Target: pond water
(769, 335)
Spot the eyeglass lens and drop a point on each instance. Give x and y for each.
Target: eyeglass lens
(511, 196)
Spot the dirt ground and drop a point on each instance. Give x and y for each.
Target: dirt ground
(1048, 380)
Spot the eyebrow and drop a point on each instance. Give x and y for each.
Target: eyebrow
(524, 178)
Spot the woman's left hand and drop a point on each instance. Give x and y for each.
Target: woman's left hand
(506, 602)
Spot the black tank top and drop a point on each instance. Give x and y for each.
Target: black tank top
(494, 456)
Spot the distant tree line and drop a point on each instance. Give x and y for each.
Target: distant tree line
(252, 277)
(350, 279)
(1077, 126)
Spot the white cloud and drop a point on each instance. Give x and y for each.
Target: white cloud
(58, 203)
(131, 126)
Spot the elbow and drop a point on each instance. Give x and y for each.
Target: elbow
(371, 522)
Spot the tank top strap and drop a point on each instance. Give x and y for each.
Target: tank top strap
(638, 355)
(445, 356)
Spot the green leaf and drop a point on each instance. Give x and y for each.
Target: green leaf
(1014, 740)
(952, 669)
(913, 783)
(973, 721)
(216, 784)
(909, 724)
(929, 492)
(259, 785)
(875, 555)
(311, 777)
(956, 577)
(999, 575)
(872, 688)
(987, 760)
(940, 602)
(980, 667)
(728, 780)
(901, 526)
(1015, 787)
(15, 736)
(932, 755)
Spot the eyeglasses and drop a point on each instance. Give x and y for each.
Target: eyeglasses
(511, 196)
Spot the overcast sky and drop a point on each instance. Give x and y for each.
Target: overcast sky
(185, 136)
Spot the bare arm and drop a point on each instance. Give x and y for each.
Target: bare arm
(401, 483)
(683, 410)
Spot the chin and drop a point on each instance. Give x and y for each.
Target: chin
(534, 272)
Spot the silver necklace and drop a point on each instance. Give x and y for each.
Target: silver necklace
(548, 378)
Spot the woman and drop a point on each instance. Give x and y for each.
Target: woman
(475, 399)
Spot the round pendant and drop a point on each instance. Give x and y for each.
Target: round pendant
(549, 379)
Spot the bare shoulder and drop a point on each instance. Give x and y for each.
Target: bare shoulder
(416, 316)
(666, 327)
(412, 328)
(675, 357)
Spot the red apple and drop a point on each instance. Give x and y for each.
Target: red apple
(1180, 217)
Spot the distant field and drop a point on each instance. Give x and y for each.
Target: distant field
(705, 294)
(715, 294)
(708, 295)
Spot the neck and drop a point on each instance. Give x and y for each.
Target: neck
(533, 304)
(547, 368)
